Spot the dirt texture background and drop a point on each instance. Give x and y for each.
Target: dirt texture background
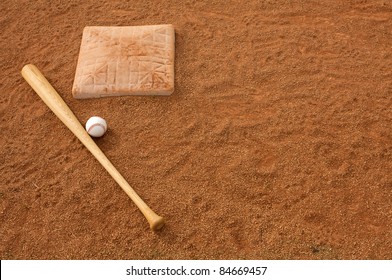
(276, 143)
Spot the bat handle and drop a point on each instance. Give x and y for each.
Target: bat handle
(156, 222)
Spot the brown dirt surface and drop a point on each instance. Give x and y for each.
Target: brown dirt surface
(276, 143)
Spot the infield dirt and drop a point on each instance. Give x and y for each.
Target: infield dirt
(276, 143)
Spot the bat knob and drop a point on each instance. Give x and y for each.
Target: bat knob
(156, 222)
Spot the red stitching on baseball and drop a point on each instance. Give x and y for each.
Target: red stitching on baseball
(94, 125)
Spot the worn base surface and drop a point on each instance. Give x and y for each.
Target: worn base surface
(125, 60)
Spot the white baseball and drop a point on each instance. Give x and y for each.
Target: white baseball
(96, 126)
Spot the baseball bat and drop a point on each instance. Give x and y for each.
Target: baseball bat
(51, 98)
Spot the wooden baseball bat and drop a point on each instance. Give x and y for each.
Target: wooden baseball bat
(51, 98)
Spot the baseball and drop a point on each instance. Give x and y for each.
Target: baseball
(96, 126)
